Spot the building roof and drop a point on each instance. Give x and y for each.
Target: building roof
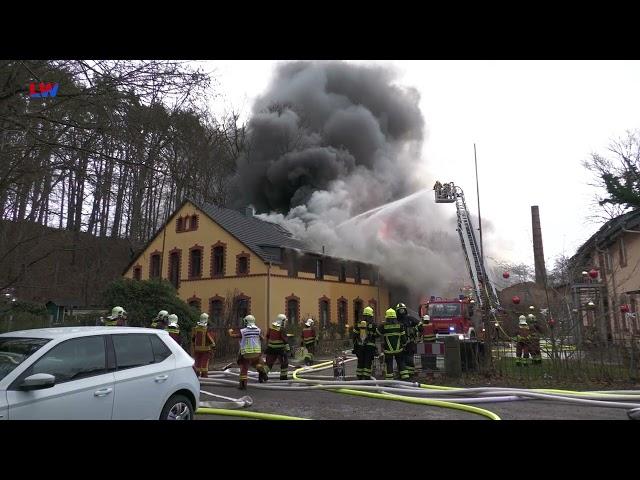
(255, 233)
(608, 232)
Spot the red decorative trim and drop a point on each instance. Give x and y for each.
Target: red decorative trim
(286, 306)
(238, 257)
(196, 300)
(170, 268)
(324, 298)
(201, 249)
(224, 259)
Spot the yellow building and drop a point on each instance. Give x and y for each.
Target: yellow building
(231, 264)
(614, 251)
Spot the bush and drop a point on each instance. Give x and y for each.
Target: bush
(143, 299)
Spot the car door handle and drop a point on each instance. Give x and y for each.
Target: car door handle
(102, 393)
(161, 378)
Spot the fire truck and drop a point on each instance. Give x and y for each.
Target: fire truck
(451, 316)
(456, 316)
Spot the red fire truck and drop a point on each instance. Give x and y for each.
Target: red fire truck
(450, 316)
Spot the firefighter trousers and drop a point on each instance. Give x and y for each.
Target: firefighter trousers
(522, 353)
(311, 350)
(281, 357)
(365, 354)
(534, 350)
(250, 360)
(402, 370)
(202, 363)
(409, 359)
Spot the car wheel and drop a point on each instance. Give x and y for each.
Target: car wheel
(178, 407)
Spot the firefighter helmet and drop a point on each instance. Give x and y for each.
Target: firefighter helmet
(522, 320)
(162, 314)
(309, 322)
(531, 317)
(249, 321)
(118, 312)
(368, 312)
(173, 320)
(426, 319)
(390, 313)
(281, 320)
(204, 320)
(401, 308)
(363, 324)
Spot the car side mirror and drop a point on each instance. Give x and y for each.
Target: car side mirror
(38, 381)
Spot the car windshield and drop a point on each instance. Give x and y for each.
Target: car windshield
(444, 310)
(15, 350)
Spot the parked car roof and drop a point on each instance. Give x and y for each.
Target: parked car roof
(69, 332)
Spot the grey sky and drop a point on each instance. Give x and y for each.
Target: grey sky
(533, 122)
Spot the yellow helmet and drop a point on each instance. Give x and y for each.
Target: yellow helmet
(368, 311)
(391, 313)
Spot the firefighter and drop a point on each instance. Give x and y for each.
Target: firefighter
(118, 318)
(309, 341)
(394, 339)
(428, 335)
(364, 343)
(277, 346)
(202, 343)
(250, 350)
(522, 342)
(411, 327)
(535, 329)
(161, 320)
(174, 329)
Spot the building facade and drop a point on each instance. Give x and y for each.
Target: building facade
(614, 252)
(231, 264)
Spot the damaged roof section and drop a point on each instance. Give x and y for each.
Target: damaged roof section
(608, 233)
(264, 238)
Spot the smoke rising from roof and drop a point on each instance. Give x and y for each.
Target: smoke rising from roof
(330, 140)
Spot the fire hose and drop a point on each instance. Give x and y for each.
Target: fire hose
(449, 397)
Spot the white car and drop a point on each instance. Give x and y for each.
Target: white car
(95, 373)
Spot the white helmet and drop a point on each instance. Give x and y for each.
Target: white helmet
(522, 320)
(162, 314)
(426, 319)
(309, 322)
(173, 320)
(249, 321)
(280, 320)
(204, 320)
(531, 316)
(118, 312)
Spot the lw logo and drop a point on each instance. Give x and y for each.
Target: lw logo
(46, 90)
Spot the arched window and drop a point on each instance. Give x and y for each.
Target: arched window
(217, 260)
(180, 224)
(325, 312)
(194, 302)
(242, 307)
(194, 222)
(216, 311)
(195, 262)
(174, 267)
(137, 273)
(342, 312)
(357, 310)
(292, 309)
(155, 266)
(242, 264)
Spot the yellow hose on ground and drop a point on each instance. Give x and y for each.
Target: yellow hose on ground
(400, 398)
(243, 413)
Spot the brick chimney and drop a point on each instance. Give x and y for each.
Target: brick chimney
(538, 252)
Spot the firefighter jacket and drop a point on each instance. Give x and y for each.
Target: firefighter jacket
(535, 330)
(250, 340)
(428, 332)
(202, 339)
(364, 335)
(276, 340)
(309, 336)
(174, 332)
(115, 322)
(394, 338)
(410, 325)
(523, 333)
(159, 324)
